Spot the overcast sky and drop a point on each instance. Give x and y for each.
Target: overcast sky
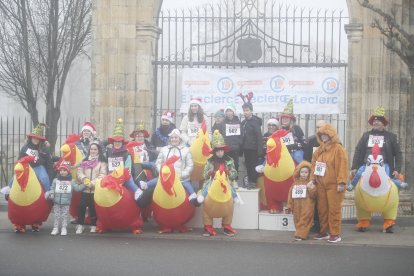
(324, 4)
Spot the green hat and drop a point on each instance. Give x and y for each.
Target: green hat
(219, 113)
(217, 142)
(118, 135)
(379, 114)
(37, 132)
(288, 111)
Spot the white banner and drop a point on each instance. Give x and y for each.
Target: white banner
(314, 90)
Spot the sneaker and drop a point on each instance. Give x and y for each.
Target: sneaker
(35, 228)
(63, 232)
(79, 229)
(334, 238)
(321, 237)
(54, 232)
(93, 229)
(209, 231)
(228, 230)
(389, 230)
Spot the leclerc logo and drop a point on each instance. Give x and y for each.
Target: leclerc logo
(225, 85)
(330, 85)
(277, 83)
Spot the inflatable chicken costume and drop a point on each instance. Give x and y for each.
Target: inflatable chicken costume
(27, 204)
(200, 152)
(170, 205)
(278, 172)
(376, 192)
(115, 205)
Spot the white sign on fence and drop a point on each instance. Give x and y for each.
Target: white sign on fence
(314, 90)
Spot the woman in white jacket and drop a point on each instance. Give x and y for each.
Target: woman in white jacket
(192, 121)
(182, 166)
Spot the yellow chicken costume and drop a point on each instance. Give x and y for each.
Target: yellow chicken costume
(376, 192)
(200, 151)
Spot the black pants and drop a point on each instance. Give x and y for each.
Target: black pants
(86, 201)
(252, 160)
(235, 156)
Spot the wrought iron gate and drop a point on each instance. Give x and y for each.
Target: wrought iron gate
(247, 33)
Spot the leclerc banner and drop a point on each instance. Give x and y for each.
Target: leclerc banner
(314, 90)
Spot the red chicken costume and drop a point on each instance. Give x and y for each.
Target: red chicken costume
(278, 172)
(170, 205)
(115, 205)
(27, 204)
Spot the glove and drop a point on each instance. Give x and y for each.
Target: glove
(341, 187)
(200, 199)
(226, 171)
(48, 195)
(350, 187)
(86, 181)
(404, 185)
(143, 184)
(236, 200)
(211, 172)
(260, 169)
(5, 190)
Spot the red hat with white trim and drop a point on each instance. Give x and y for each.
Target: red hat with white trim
(195, 101)
(168, 115)
(89, 126)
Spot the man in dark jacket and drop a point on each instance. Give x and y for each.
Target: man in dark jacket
(387, 142)
(252, 146)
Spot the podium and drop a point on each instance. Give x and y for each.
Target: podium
(244, 217)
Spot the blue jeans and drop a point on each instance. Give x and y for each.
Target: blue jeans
(362, 169)
(41, 175)
(186, 184)
(297, 155)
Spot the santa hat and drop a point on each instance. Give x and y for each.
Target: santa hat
(140, 128)
(118, 135)
(288, 111)
(195, 101)
(37, 132)
(168, 115)
(379, 114)
(89, 126)
(63, 166)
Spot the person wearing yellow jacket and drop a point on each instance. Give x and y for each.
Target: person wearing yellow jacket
(329, 173)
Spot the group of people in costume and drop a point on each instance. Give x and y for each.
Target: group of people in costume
(117, 183)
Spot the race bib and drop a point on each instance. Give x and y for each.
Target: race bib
(192, 130)
(34, 153)
(232, 130)
(299, 191)
(115, 162)
(320, 168)
(372, 140)
(314, 149)
(63, 187)
(288, 139)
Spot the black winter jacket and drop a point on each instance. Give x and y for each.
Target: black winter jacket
(252, 134)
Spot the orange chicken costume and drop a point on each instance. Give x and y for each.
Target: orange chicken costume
(200, 152)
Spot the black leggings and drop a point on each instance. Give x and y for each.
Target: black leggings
(86, 201)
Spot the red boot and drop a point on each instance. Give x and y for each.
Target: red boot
(209, 231)
(228, 230)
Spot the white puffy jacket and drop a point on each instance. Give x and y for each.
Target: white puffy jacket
(183, 166)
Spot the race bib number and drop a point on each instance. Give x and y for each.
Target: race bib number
(115, 162)
(314, 149)
(299, 191)
(34, 153)
(192, 130)
(372, 140)
(232, 130)
(320, 168)
(288, 139)
(63, 187)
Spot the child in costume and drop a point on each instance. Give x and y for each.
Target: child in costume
(301, 201)
(61, 194)
(215, 166)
